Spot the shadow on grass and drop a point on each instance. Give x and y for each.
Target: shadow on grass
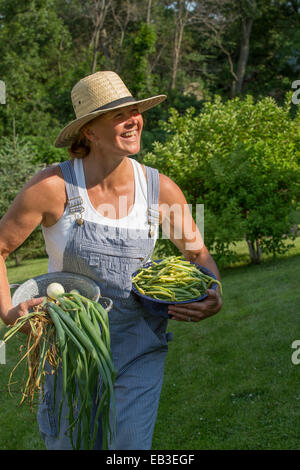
(243, 264)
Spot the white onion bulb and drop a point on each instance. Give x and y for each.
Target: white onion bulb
(74, 291)
(54, 290)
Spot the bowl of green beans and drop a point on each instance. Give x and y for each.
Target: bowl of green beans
(172, 280)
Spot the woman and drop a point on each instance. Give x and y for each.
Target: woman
(100, 213)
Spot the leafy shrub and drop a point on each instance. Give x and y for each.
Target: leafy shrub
(17, 166)
(241, 160)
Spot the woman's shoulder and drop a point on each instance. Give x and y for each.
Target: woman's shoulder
(169, 191)
(49, 178)
(46, 188)
(44, 194)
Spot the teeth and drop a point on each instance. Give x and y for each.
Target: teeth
(129, 134)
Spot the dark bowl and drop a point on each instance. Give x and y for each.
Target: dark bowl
(160, 307)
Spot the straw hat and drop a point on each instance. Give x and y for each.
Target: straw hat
(97, 94)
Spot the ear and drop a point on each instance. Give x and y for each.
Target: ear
(88, 132)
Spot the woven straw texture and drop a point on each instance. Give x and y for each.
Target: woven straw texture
(97, 90)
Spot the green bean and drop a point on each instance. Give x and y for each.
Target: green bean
(141, 290)
(181, 279)
(219, 284)
(166, 294)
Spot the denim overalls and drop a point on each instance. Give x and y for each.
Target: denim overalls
(139, 342)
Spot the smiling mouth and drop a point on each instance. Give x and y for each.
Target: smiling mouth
(129, 134)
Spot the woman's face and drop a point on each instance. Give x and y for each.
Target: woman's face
(117, 132)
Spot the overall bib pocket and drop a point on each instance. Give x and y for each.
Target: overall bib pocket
(112, 273)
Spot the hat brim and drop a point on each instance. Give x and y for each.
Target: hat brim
(70, 132)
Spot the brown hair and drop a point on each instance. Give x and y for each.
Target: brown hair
(80, 147)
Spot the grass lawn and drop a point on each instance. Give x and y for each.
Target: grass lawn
(229, 380)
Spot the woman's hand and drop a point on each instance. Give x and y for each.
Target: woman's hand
(20, 310)
(196, 311)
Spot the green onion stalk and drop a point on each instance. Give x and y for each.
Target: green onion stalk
(72, 334)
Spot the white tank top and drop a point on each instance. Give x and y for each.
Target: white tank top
(57, 235)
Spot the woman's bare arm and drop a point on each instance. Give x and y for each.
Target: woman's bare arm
(180, 227)
(41, 200)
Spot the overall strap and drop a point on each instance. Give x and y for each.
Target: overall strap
(75, 201)
(152, 198)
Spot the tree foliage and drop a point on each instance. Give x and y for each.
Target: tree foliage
(16, 168)
(192, 51)
(240, 159)
(190, 47)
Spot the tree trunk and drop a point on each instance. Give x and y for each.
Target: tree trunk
(95, 49)
(149, 11)
(100, 11)
(17, 259)
(176, 55)
(243, 57)
(58, 62)
(254, 251)
(122, 26)
(179, 27)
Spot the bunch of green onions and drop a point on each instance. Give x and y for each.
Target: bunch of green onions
(173, 280)
(72, 334)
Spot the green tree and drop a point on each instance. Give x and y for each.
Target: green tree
(241, 160)
(16, 168)
(140, 45)
(34, 47)
(197, 48)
